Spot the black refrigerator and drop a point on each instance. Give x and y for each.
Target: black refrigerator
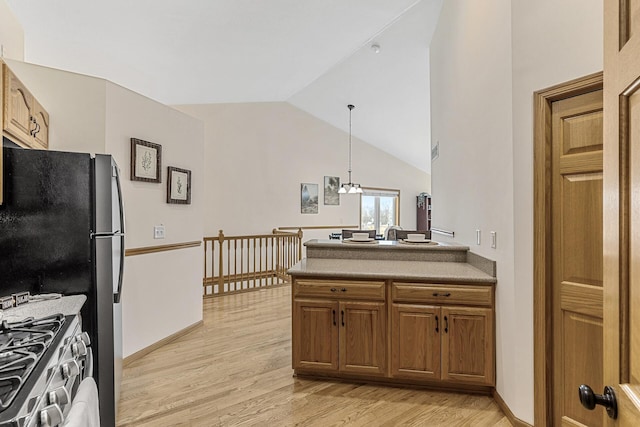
(62, 231)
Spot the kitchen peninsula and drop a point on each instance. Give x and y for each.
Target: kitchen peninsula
(397, 312)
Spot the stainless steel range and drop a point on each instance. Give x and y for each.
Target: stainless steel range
(42, 362)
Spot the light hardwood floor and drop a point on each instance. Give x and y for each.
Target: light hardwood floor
(235, 370)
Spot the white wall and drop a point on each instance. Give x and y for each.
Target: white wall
(11, 34)
(487, 60)
(472, 178)
(257, 155)
(162, 292)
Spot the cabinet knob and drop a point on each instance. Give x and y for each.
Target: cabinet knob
(608, 399)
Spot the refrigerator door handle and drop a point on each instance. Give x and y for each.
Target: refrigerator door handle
(116, 174)
(106, 235)
(116, 296)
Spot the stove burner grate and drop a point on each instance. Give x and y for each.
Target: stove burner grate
(22, 344)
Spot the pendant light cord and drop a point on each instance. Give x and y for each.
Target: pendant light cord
(350, 107)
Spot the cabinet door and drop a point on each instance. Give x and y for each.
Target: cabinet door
(467, 345)
(415, 340)
(18, 109)
(41, 130)
(315, 335)
(363, 343)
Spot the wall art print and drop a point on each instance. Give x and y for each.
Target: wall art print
(308, 198)
(146, 161)
(178, 186)
(331, 187)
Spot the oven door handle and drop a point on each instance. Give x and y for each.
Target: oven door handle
(88, 364)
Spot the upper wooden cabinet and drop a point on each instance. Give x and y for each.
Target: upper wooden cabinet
(25, 121)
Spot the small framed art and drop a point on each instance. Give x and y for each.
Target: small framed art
(146, 161)
(331, 187)
(178, 186)
(308, 198)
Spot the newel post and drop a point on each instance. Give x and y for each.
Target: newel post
(299, 243)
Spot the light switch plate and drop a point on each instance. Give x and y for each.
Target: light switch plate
(493, 239)
(158, 232)
(477, 237)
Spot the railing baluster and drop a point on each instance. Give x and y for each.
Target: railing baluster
(258, 260)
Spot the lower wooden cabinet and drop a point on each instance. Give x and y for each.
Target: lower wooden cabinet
(339, 336)
(413, 332)
(442, 343)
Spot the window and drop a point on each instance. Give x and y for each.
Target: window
(379, 209)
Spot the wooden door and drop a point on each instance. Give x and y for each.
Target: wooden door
(622, 207)
(467, 345)
(315, 335)
(576, 179)
(363, 344)
(415, 340)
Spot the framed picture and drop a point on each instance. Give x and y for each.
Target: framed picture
(308, 198)
(331, 187)
(146, 161)
(178, 186)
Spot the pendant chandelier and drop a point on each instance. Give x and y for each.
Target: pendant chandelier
(350, 187)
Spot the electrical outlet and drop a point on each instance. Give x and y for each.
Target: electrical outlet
(158, 232)
(477, 237)
(493, 239)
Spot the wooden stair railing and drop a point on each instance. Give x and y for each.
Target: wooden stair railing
(235, 264)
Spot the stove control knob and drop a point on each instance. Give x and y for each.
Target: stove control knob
(84, 337)
(50, 416)
(78, 349)
(59, 396)
(70, 369)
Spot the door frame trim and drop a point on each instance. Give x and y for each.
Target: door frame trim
(542, 238)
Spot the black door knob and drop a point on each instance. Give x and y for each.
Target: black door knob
(589, 399)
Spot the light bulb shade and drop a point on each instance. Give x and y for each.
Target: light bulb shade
(342, 189)
(359, 189)
(353, 190)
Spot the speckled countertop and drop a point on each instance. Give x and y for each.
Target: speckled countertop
(449, 272)
(64, 305)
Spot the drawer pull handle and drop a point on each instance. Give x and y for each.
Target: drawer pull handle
(334, 290)
(437, 329)
(436, 294)
(334, 317)
(446, 325)
(342, 312)
(344, 289)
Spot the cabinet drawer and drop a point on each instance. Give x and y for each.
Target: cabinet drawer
(342, 289)
(442, 294)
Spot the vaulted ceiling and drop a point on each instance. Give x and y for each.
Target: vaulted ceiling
(315, 54)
